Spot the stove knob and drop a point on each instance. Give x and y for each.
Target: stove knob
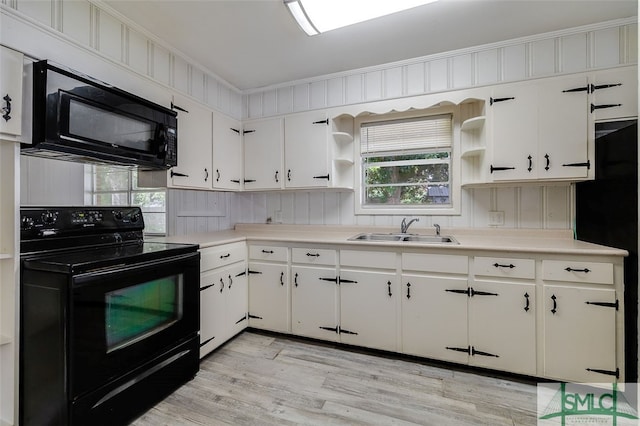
(27, 222)
(117, 215)
(135, 217)
(49, 217)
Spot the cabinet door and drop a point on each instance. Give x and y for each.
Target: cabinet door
(227, 153)
(268, 296)
(563, 128)
(263, 154)
(502, 326)
(11, 64)
(212, 311)
(194, 146)
(314, 302)
(237, 298)
(368, 309)
(615, 94)
(579, 335)
(306, 150)
(514, 118)
(434, 317)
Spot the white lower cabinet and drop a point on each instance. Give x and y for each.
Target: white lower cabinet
(269, 288)
(314, 299)
(368, 309)
(223, 295)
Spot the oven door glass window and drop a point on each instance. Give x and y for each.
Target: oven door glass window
(136, 312)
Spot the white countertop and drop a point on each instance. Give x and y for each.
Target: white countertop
(532, 241)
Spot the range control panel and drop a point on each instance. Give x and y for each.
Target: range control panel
(40, 222)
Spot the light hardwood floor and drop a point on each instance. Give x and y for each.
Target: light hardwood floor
(263, 379)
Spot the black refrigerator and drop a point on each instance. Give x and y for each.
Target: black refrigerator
(607, 214)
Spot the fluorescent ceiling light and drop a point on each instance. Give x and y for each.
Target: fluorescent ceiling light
(319, 16)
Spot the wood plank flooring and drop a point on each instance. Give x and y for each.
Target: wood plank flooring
(263, 379)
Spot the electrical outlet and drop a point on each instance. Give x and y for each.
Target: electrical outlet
(278, 216)
(496, 218)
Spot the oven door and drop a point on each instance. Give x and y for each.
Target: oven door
(122, 317)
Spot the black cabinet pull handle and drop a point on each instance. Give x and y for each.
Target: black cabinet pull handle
(295, 280)
(281, 278)
(526, 298)
(510, 266)
(389, 288)
(172, 173)
(221, 285)
(530, 163)
(206, 174)
(224, 256)
(276, 176)
(322, 122)
(546, 156)
(313, 254)
(289, 175)
(587, 165)
(555, 305)
(605, 304)
(604, 106)
(235, 130)
(230, 281)
(408, 290)
(267, 251)
(176, 107)
(322, 177)
(494, 100)
(570, 269)
(217, 175)
(499, 169)
(7, 108)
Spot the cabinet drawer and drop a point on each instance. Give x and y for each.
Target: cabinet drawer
(435, 263)
(270, 253)
(368, 259)
(313, 256)
(504, 267)
(579, 272)
(214, 257)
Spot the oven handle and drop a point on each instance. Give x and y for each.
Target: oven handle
(120, 268)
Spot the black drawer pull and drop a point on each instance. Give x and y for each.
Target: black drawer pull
(224, 256)
(7, 108)
(313, 255)
(526, 306)
(570, 269)
(267, 251)
(510, 266)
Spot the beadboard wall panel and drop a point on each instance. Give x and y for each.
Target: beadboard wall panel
(198, 211)
(604, 45)
(98, 29)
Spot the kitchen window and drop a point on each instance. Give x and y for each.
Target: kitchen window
(406, 165)
(117, 186)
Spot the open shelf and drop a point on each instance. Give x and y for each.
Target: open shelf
(473, 123)
(343, 137)
(344, 161)
(473, 152)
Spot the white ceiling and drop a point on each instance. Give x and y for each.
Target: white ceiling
(252, 44)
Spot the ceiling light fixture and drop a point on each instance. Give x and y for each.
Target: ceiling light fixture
(319, 16)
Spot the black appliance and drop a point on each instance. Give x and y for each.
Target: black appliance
(607, 214)
(109, 323)
(78, 118)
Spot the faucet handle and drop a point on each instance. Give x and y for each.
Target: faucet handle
(437, 229)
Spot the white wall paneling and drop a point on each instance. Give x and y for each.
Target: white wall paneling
(198, 211)
(603, 45)
(48, 182)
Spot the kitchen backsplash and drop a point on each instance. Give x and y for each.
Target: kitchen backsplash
(535, 207)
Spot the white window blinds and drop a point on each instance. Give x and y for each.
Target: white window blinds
(406, 135)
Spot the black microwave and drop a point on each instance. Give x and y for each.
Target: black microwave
(78, 118)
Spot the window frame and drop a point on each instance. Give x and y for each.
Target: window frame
(91, 192)
(407, 210)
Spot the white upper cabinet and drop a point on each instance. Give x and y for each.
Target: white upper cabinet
(263, 154)
(615, 94)
(306, 150)
(11, 66)
(540, 130)
(227, 153)
(194, 146)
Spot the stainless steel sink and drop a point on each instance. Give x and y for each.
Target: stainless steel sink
(409, 238)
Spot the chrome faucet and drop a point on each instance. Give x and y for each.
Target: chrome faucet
(437, 229)
(404, 226)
